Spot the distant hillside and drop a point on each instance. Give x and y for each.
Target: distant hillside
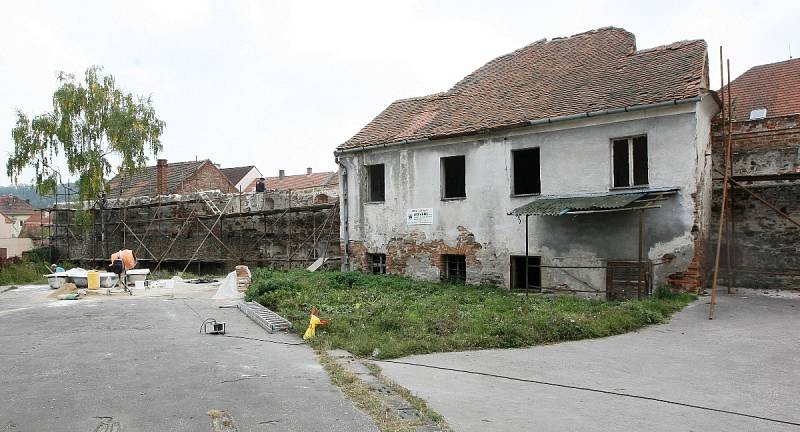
(28, 192)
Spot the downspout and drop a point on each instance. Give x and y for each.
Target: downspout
(345, 217)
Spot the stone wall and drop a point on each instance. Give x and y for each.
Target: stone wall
(765, 243)
(278, 229)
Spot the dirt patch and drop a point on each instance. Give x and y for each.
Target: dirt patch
(67, 288)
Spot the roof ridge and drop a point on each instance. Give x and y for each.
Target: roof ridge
(538, 80)
(673, 45)
(756, 67)
(431, 96)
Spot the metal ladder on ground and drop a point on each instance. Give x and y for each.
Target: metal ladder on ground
(264, 317)
(209, 203)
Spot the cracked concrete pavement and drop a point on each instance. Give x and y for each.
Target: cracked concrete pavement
(139, 364)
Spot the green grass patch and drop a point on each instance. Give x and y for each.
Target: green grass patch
(24, 272)
(399, 316)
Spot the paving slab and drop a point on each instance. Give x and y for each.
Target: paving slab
(747, 360)
(140, 364)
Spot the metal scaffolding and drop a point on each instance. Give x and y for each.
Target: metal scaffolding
(223, 240)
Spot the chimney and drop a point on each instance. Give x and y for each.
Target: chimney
(161, 177)
(308, 171)
(281, 174)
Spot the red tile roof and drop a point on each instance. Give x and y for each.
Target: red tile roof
(301, 181)
(592, 71)
(143, 183)
(36, 219)
(774, 86)
(11, 205)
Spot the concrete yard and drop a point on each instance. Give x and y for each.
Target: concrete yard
(747, 360)
(139, 364)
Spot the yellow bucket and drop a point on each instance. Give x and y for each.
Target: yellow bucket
(93, 279)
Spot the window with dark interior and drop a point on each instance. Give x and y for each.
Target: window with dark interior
(526, 171)
(534, 272)
(629, 160)
(376, 183)
(377, 263)
(454, 268)
(453, 177)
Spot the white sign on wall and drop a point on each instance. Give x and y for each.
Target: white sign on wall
(419, 216)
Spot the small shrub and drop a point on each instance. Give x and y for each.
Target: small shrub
(266, 281)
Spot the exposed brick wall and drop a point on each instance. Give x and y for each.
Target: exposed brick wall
(208, 177)
(763, 239)
(403, 255)
(766, 134)
(690, 280)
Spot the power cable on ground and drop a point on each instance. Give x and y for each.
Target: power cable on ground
(265, 340)
(594, 390)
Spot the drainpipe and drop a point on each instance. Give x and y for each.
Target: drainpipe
(345, 217)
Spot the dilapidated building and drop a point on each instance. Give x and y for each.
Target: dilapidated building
(578, 164)
(765, 145)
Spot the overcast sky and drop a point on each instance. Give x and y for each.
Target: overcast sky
(281, 84)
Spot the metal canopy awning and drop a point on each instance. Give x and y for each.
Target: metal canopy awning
(612, 201)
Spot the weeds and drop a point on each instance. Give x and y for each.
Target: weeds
(24, 272)
(398, 316)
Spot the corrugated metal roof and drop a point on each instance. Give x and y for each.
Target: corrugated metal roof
(554, 206)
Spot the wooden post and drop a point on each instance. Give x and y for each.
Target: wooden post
(723, 205)
(527, 285)
(641, 252)
(729, 167)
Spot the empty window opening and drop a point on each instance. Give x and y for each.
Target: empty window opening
(629, 160)
(454, 268)
(376, 183)
(377, 263)
(527, 178)
(534, 273)
(453, 177)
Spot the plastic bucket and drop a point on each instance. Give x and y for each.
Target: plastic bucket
(93, 279)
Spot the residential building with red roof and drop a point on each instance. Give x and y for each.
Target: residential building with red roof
(167, 178)
(544, 157)
(14, 212)
(242, 177)
(309, 181)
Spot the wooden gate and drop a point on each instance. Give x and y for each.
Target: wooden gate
(623, 281)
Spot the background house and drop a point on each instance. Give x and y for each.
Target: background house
(171, 178)
(14, 212)
(242, 177)
(765, 142)
(310, 181)
(554, 130)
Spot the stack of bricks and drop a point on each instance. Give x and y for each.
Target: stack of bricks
(242, 277)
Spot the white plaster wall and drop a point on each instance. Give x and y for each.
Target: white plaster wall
(6, 228)
(575, 158)
(248, 178)
(15, 246)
